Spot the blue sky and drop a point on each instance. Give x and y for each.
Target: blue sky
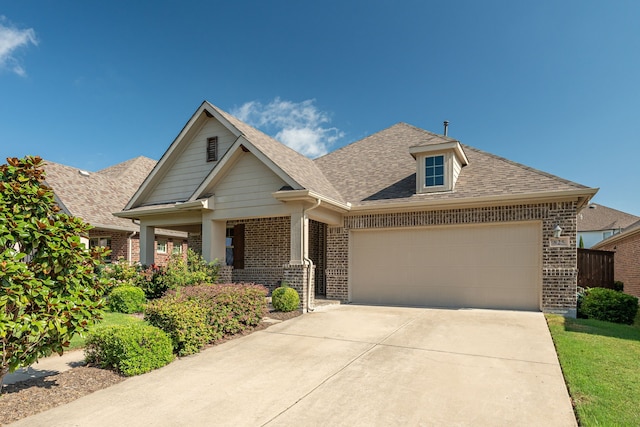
(551, 84)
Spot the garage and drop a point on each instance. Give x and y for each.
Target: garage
(480, 266)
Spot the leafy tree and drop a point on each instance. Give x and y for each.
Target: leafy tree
(49, 291)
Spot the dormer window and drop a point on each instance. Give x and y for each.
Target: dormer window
(434, 171)
(438, 166)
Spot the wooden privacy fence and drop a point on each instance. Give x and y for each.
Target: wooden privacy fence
(595, 268)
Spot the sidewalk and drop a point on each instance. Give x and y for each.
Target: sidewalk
(46, 366)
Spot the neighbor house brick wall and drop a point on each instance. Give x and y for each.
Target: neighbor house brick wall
(626, 261)
(559, 265)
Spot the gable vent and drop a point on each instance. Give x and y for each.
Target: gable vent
(212, 149)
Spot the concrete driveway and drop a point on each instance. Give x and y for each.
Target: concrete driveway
(351, 366)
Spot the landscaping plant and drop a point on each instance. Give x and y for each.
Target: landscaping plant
(48, 289)
(285, 299)
(608, 305)
(127, 299)
(130, 349)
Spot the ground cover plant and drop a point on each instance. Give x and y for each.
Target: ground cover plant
(48, 287)
(600, 364)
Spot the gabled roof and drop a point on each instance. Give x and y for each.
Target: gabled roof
(597, 217)
(629, 232)
(379, 170)
(299, 169)
(94, 196)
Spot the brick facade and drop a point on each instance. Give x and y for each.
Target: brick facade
(559, 265)
(120, 245)
(626, 262)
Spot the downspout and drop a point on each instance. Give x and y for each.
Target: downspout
(130, 249)
(305, 250)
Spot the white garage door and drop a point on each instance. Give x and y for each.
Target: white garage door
(496, 266)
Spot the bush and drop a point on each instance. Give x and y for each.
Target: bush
(618, 286)
(196, 315)
(285, 299)
(127, 299)
(129, 349)
(609, 305)
(186, 322)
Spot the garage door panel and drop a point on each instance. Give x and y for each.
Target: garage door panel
(475, 266)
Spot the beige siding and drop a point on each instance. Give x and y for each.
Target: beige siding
(190, 166)
(456, 170)
(248, 185)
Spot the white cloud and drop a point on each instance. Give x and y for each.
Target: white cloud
(12, 39)
(299, 125)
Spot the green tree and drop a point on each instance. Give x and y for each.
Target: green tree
(581, 245)
(49, 291)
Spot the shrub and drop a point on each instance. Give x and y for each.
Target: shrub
(186, 322)
(232, 308)
(285, 299)
(127, 299)
(618, 286)
(609, 305)
(129, 349)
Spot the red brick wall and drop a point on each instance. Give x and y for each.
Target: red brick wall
(627, 262)
(120, 245)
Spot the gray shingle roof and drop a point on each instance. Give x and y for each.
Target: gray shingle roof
(95, 197)
(597, 217)
(379, 169)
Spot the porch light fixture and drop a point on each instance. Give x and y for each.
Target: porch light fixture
(557, 231)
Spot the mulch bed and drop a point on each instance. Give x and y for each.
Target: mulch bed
(35, 395)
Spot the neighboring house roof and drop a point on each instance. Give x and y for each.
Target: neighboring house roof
(629, 232)
(379, 169)
(597, 217)
(94, 196)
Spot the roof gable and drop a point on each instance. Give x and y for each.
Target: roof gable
(597, 217)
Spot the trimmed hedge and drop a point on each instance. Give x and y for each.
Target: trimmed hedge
(285, 299)
(609, 305)
(186, 322)
(127, 299)
(129, 349)
(196, 315)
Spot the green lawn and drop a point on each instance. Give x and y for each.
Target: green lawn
(601, 365)
(108, 319)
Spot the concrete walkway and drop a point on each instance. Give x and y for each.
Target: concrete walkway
(351, 366)
(47, 366)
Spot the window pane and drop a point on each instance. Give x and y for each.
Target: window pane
(439, 180)
(430, 182)
(229, 256)
(429, 161)
(439, 170)
(439, 160)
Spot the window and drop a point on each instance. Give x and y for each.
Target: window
(161, 247)
(212, 149)
(95, 242)
(434, 171)
(229, 245)
(177, 248)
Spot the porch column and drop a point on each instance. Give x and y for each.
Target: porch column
(214, 235)
(147, 244)
(299, 238)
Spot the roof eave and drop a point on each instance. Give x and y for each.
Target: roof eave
(311, 196)
(581, 195)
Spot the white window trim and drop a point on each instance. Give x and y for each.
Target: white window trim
(421, 175)
(166, 246)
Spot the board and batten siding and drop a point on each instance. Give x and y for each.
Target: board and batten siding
(191, 167)
(249, 184)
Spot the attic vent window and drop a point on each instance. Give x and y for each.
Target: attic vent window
(212, 149)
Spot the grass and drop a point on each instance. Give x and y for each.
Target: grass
(601, 366)
(109, 319)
